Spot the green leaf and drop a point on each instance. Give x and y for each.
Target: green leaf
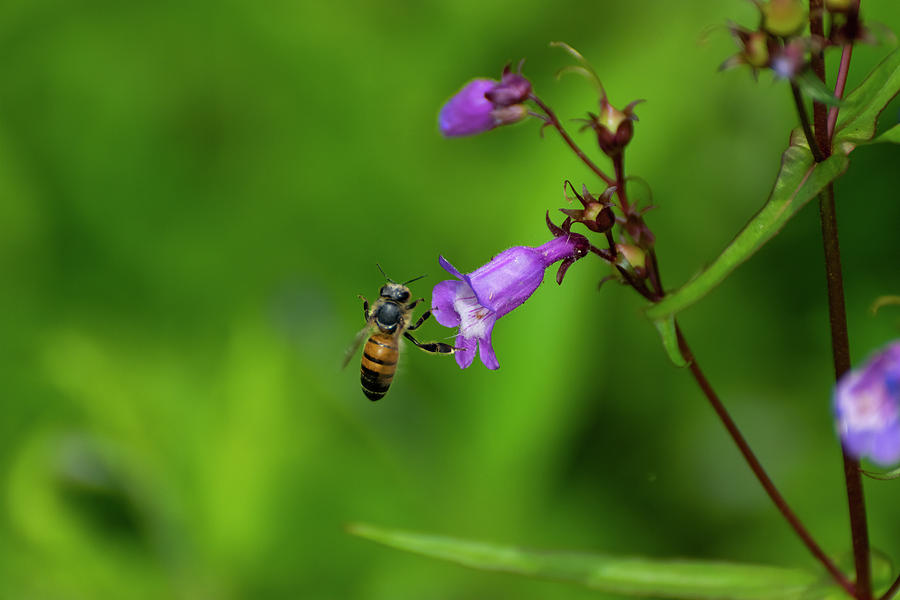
(813, 88)
(669, 335)
(856, 121)
(892, 135)
(617, 575)
(799, 180)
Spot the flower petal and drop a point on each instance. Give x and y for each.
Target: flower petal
(466, 353)
(442, 298)
(885, 447)
(468, 112)
(445, 264)
(486, 351)
(508, 280)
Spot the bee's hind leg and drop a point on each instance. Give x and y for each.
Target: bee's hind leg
(432, 347)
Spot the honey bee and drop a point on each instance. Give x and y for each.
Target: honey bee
(388, 320)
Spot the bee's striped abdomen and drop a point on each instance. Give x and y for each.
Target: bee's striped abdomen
(379, 363)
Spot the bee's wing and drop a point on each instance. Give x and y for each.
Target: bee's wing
(363, 334)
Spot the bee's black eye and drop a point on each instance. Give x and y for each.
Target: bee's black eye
(384, 291)
(403, 296)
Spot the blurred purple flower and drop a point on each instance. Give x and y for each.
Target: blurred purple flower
(477, 300)
(867, 406)
(483, 104)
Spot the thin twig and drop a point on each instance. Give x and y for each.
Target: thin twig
(839, 85)
(554, 121)
(757, 468)
(804, 122)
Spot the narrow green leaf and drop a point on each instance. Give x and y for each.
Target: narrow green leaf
(892, 135)
(856, 121)
(799, 180)
(617, 575)
(666, 329)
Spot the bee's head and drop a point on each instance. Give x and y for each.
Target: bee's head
(398, 292)
(395, 291)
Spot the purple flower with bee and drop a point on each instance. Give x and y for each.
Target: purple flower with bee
(474, 301)
(867, 407)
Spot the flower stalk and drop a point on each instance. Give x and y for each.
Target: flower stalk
(758, 470)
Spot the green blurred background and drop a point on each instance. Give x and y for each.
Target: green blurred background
(192, 194)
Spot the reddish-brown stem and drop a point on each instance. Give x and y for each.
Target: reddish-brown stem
(619, 166)
(840, 346)
(554, 121)
(757, 468)
(817, 62)
(804, 122)
(837, 315)
(839, 85)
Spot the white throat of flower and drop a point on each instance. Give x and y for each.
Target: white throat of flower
(472, 315)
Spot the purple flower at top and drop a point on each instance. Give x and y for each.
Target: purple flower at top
(483, 104)
(475, 301)
(867, 407)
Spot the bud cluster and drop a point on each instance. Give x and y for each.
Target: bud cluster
(779, 44)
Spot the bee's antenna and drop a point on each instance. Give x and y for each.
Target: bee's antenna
(385, 274)
(414, 279)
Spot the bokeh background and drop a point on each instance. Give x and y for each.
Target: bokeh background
(192, 194)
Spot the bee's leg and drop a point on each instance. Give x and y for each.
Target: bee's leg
(413, 304)
(421, 320)
(365, 306)
(432, 347)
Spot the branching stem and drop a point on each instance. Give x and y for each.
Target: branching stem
(757, 468)
(554, 121)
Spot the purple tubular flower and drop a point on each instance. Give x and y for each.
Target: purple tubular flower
(477, 300)
(867, 407)
(483, 104)
(469, 111)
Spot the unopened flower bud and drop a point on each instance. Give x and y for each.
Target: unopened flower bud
(512, 89)
(506, 115)
(630, 255)
(790, 61)
(783, 17)
(597, 215)
(483, 104)
(614, 127)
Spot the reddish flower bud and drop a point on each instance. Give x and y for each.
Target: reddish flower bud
(597, 215)
(614, 127)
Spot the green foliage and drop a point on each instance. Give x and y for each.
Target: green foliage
(799, 180)
(619, 575)
(669, 334)
(856, 123)
(192, 194)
